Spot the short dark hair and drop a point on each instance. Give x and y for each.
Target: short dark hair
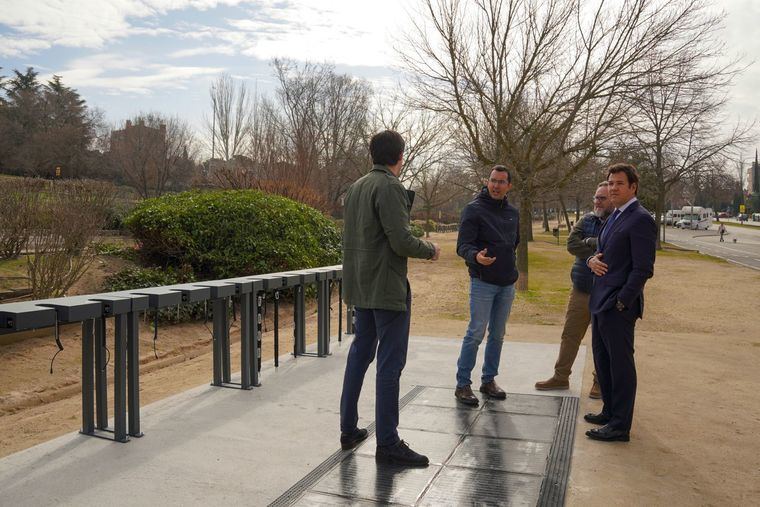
(386, 147)
(630, 173)
(503, 169)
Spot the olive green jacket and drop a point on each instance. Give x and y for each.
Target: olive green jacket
(377, 242)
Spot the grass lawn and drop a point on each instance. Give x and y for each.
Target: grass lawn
(11, 271)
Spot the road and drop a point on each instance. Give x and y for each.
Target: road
(745, 250)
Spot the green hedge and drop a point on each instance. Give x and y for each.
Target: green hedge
(416, 230)
(222, 234)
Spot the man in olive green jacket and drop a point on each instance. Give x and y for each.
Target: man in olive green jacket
(376, 244)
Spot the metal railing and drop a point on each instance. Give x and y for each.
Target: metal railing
(124, 307)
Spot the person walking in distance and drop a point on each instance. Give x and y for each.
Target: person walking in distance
(582, 243)
(376, 244)
(624, 261)
(722, 231)
(488, 236)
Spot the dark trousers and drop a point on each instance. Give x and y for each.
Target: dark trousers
(385, 333)
(612, 343)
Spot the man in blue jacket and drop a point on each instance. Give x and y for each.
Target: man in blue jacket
(488, 236)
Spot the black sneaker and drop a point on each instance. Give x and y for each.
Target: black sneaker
(400, 454)
(351, 440)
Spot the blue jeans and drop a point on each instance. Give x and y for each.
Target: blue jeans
(386, 333)
(489, 305)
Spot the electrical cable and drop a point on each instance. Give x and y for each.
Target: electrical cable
(58, 343)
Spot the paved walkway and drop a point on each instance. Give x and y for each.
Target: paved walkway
(212, 446)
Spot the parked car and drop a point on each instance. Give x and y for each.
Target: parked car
(723, 214)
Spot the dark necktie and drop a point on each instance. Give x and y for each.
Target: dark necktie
(609, 224)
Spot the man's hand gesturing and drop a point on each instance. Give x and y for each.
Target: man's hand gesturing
(483, 258)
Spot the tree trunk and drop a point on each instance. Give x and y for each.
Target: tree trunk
(564, 211)
(526, 225)
(659, 210)
(546, 217)
(577, 209)
(427, 222)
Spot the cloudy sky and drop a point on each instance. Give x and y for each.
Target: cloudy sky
(127, 56)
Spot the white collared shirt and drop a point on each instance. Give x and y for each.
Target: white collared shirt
(624, 206)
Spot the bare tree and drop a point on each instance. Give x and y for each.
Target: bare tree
(65, 221)
(426, 134)
(323, 118)
(435, 187)
(231, 117)
(153, 153)
(531, 82)
(677, 119)
(17, 208)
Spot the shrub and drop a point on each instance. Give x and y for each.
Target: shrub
(67, 217)
(116, 250)
(417, 231)
(221, 234)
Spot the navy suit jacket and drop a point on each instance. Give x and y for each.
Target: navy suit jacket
(629, 251)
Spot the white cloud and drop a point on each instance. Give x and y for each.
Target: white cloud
(12, 46)
(203, 50)
(88, 23)
(116, 74)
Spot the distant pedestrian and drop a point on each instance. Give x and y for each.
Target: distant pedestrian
(721, 231)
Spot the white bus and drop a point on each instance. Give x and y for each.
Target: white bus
(695, 218)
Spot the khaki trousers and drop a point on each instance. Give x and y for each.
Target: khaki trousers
(577, 319)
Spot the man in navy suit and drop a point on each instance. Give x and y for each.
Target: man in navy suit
(624, 261)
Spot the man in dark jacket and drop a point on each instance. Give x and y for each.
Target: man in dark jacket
(582, 243)
(488, 236)
(623, 262)
(376, 244)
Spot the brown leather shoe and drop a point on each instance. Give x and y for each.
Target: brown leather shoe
(553, 384)
(465, 396)
(492, 390)
(596, 392)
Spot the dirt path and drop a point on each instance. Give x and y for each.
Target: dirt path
(695, 435)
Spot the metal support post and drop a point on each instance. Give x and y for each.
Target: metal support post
(328, 314)
(226, 368)
(340, 310)
(245, 341)
(88, 367)
(133, 373)
(323, 317)
(350, 320)
(217, 307)
(101, 382)
(276, 328)
(256, 352)
(299, 320)
(120, 380)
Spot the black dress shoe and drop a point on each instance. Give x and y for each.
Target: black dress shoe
(607, 434)
(593, 418)
(400, 454)
(465, 396)
(351, 440)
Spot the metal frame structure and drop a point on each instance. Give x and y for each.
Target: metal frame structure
(124, 307)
